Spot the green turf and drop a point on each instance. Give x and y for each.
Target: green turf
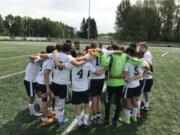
(162, 118)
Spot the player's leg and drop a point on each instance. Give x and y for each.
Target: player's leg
(128, 106)
(62, 92)
(31, 96)
(118, 96)
(85, 100)
(147, 89)
(99, 93)
(76, 101)
(45, 119)
(107, 102)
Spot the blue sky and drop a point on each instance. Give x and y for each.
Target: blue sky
(70, 12)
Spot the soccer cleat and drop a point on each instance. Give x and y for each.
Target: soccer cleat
(138, 115)
(36, 114)
(51, 114)
(125, 120)
(65, 120)
(134, 119)
(47, 122)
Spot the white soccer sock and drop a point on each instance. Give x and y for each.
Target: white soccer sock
(86, 117)
(31, 108)
(60, 105)
(127, 113)
(146, 104)
(134, 112)
(139, 105)
(49, 109)
(60, 116)
(39, 102)
(79, 122)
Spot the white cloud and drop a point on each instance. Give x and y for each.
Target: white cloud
(70, 12)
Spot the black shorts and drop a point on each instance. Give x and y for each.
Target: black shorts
(147, 85)
(30, 88)
(132, 92)
(59, 90)
(96, 87)
(41, 88)
(80, 97)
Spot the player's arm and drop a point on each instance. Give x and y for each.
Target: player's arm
(46, 78)
(77, 63)
(121, 76)
(135, 77)
(56, 61)
(99, 72)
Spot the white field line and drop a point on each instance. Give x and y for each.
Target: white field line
(73, 124)
(13, 57)
(6, 76)
(164, 54)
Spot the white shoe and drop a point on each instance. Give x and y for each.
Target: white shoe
(36, 114)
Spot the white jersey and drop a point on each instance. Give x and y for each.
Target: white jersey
(80, 81)
(147, 76)
(131, 70)
(61, 76)
(96, 63)
(31, 72)
(148, 58)
(47, 64)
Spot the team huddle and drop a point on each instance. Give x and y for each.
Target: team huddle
(124, 73)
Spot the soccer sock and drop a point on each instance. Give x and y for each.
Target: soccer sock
(61, 109)
(79, 122)
(86, 117)
(127, 113)
(94, 116)
(134, 112)
(139, 105)
(31, 108)
(98, 115)
(49, 109)
(39, 102)
(146, 104)
(44, 118)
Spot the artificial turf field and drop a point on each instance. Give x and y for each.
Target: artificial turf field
(163, 117)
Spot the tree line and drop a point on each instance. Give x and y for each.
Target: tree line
(27, 27)
(152, 20)
(88, 24)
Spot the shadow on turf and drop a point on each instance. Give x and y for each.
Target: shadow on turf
(120, 129)
(24, 124)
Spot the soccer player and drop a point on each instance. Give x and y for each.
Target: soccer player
(43, 79)
(76, 49)
(80, 89)
(115, 84)
(97, 81)
(148, 79)
(31, 72)
(60, 80)
(132, 90)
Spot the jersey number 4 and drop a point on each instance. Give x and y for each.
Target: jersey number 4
(80, 74)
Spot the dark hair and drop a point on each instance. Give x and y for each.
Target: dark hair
(50, 49)
(133, 46)
(59, 47)
(76, 42)
(66, 47)
(109, 48)
(68, 42)
(122, 48)
(43, 52)
(86, 48)
(115, 47)
(139, 54)
(130, 51)
(93, 45)
(100, 45)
